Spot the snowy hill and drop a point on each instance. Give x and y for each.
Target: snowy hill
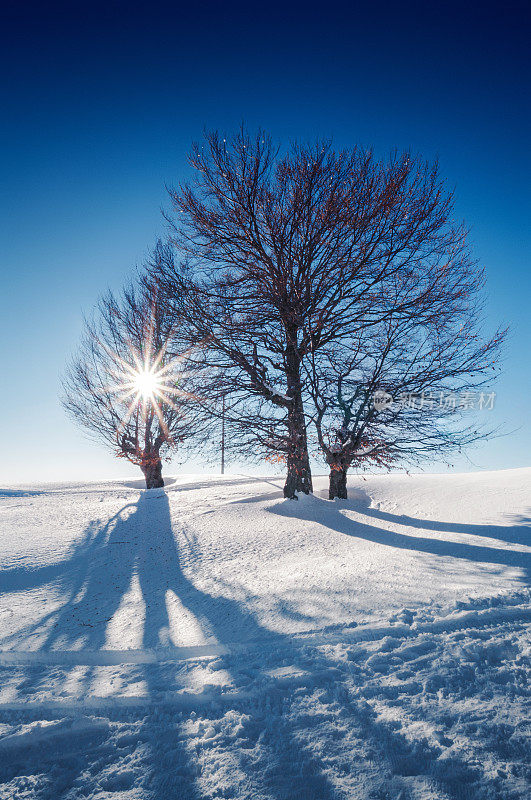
(213, 640)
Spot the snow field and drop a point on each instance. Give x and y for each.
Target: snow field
(242, 646)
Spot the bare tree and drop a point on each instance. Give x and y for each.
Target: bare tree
(124, 387)
(401, 391)
(289, 253)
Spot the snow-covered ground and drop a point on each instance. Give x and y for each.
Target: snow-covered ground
(214, 641)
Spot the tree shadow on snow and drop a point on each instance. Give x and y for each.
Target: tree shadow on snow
(518, 532)
(20, 493)
(138, 544)
(329, 514)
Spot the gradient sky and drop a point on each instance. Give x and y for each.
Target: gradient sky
(100, 106)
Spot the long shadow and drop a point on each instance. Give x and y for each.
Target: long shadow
(102, 567)
(329, 515)
(285, 769)
(517, 533)
(93, 578)
(20, 493)
(159, 571)
(139, 540)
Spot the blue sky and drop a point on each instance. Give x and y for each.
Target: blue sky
(100, 108)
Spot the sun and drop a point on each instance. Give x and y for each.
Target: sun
(146, 383)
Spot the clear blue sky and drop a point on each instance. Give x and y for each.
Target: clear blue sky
(100, 107)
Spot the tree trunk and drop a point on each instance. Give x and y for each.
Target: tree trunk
(338, 480)
(299, 477)
(153, 474)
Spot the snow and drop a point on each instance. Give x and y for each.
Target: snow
(212, 640)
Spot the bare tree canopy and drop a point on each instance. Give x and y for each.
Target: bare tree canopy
(401, 393)
(288, 256)
(124, 387)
